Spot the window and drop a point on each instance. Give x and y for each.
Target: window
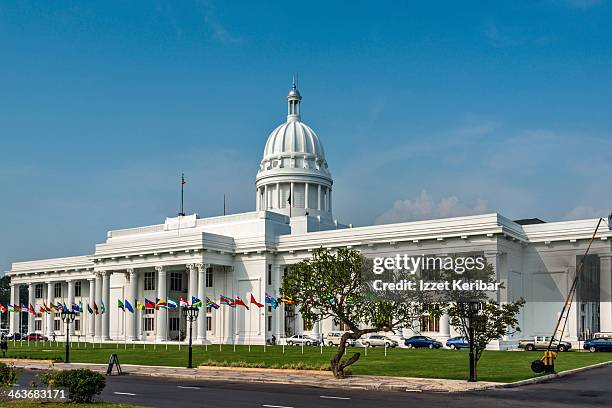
(208, 323)
(38, 325)
(56, 324)
(269, 274)
(176, 281)
(430, 323)
(269, 323)
(57, 290)
(208, 309)
(77, 325)
(38, 291)
(149, 324)
(149, 311)
(209, 278)
(174, 324)
(149, 281)
(77, 289)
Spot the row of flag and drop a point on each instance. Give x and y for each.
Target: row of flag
(125, 305)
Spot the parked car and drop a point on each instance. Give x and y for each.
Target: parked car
(541, 343)
(298, 339)
(378, 340)
(422, 341)
(600, 344)
(333, 339)
(36, 337)
(600, 335)
(457, 343)
(14, 336)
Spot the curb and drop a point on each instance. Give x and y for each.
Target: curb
(547, 377)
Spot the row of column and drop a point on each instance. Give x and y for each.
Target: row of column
(265, 200)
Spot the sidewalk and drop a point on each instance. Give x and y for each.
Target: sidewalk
(294, 377)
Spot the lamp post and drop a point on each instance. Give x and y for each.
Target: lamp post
(190, 313)
(68, 317)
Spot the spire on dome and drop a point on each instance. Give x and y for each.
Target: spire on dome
(293, 102)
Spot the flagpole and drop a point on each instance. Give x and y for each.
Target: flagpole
(249, 330)
(235, 324)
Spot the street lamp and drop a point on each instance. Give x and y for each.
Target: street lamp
(190, 313)
(68, 317)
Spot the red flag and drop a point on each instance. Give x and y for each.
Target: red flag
(31, 310)
(240, 302)
(183, 181)
(255, 302)
(96, 311)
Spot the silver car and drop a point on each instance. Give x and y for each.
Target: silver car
(378, 340)
(299, 339)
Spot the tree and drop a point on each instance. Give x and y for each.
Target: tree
(338, 285)
(479, 318)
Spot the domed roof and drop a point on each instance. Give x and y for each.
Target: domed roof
(294, 145)
(293, 138)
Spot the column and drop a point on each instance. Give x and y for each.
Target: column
(330, 200)
(201, 338)
(278, 196)
(50, 316)
(106, 303)
(492, 258)
(444, 326)
(132, 318)
(266, 206)
(14, 317)
(306, 188)
(31, 301)
(70, 301)
(91, 319)
(319, 197)
(605, 293)
(97, 303)
(279, 312)
(162, 314)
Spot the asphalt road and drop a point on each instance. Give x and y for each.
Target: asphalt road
(587, 389)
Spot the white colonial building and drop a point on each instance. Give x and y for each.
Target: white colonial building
(248, 253)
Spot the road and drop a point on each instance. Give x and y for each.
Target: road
(587, 389)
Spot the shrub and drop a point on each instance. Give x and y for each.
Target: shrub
(8, 376)
(82, 384)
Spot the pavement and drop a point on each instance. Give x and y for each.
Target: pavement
(272, 376)
(586, 389)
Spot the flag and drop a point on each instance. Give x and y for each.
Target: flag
(96, 310)
(2, 308)
(80, 307)
(128, 306)
(24, 308)
(89, 309)
(42, 309)
(59, 306)
(75, 308)
(195, 302)
(240, 302)
(224, 300)
(171, 304)
(31, 310)
(51, 307)
(289, 199)
(286, 300)
(11, 308)
(210, 303)
(183, 181)
(120, 305)
(254, 302)
(102, 308)
(149, 304)
(160, 304)
(183, 302)
(139, 305)
(271, 301)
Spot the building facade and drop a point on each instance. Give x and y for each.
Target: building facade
(244, 254)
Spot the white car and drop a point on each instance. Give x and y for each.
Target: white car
(379, 340)
(333, 339)
(298, 339)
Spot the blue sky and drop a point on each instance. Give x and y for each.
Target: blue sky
(425, 110)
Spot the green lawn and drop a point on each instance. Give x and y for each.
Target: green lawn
(499, 366)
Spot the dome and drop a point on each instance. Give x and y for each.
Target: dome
(291, 138)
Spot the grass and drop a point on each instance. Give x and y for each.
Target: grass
(498, 366)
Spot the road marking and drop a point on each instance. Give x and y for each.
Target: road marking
(275, 406)
(188, 388)
(124, 393)
(331, 397)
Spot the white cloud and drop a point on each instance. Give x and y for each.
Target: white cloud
(424, 207)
